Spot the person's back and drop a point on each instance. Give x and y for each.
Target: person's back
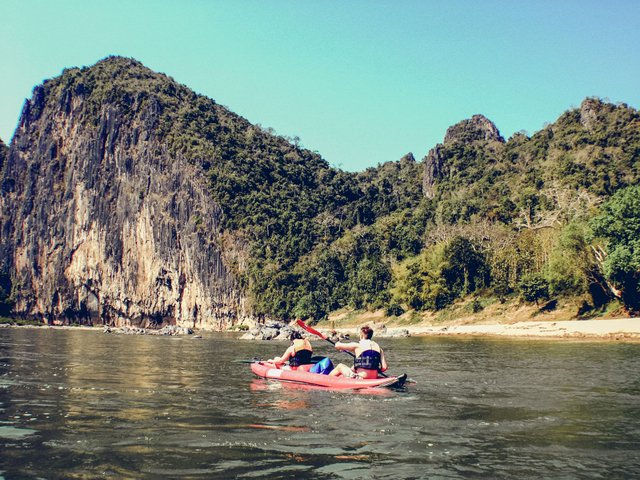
(298, 353)
(302, 352)
(369, 358)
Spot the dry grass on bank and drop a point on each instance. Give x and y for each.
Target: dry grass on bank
(488, 311)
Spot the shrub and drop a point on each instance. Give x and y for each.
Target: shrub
(394, 310)
(533, 288)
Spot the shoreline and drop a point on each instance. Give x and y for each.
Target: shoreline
(619, 329)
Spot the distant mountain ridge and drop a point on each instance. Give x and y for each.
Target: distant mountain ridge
(129, 199)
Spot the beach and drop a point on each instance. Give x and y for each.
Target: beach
(618, 329)
(625, 329)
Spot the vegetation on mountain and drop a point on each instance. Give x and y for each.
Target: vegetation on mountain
(6, 301)
(525, 205)
(536, 217)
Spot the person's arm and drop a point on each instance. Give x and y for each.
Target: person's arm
(383, 361)
(289, 352)
(350, 347)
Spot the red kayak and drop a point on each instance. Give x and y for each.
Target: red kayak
(302, 375)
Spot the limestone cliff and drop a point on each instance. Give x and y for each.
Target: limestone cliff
(3, 153)
(103, 218)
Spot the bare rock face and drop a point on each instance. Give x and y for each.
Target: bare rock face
(103, 223)
(3, 153)
(477, 130)
(596, 114)
(433, 164)
(407, 159)
(589, 113)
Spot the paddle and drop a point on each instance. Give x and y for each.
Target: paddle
(313, 331)
(314, 359)
(255, 360)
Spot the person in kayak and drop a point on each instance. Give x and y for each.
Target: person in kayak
(369, 357)
(299, 353)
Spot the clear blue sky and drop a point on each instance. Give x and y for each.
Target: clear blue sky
(361, 82)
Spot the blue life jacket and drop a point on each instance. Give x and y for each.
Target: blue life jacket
(368, 360)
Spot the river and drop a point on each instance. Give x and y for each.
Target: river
(83, 404)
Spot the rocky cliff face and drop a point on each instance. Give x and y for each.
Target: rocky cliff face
(3, 153)
(5, 276)
(477, 128)
(472, 133)
(433, 163)
(102, 220)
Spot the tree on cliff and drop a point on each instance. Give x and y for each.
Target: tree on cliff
(6, 304)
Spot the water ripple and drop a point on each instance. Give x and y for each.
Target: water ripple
(82, 404)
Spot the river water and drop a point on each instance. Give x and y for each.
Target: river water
(83, 404)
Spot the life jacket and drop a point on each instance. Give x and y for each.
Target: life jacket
(369, 359)
(303, 350)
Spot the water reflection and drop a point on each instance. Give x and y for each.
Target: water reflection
(84, 404)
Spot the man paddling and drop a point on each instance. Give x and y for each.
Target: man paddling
(369, 357)
(299, 353)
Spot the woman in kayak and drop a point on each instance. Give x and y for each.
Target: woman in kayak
(369, 357)
(299, 353)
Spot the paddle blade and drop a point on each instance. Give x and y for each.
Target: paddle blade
(311, 330)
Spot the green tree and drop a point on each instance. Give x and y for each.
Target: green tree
(394, 310)
(466, 267)
(618, 225)
(533, 288)
(570, 262)
(6, 304)
(423, 286)
(370, 282)
(312, 305)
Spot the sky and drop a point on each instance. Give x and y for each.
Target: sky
(360, 82)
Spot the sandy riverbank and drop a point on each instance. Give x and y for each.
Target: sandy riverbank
(627, 329)
(619, 329)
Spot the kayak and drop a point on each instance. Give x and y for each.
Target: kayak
(303, 376)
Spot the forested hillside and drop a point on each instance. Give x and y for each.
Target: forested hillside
(497, 220)
(536, 218)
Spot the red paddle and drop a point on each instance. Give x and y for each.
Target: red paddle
(312, 330)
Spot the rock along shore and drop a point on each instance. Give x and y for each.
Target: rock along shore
(171, 330)
(620, 329)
